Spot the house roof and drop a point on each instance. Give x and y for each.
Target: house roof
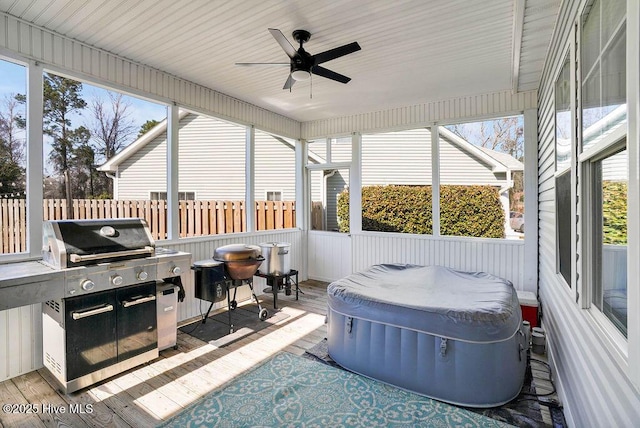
(413, 51)
(499, 162)
(111, 165)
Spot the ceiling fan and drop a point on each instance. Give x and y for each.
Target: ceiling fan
(302, 64)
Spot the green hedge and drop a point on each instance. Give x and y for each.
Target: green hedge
(464, 210)
(614, 212)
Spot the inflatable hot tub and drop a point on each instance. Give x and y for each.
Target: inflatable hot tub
(449, 335)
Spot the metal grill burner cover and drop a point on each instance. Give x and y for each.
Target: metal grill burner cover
(241, 261)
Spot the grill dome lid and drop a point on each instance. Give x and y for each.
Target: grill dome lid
(237, 252)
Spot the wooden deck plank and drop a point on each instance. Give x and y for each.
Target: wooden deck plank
(17, 416)
(100, 416)
(53, 409)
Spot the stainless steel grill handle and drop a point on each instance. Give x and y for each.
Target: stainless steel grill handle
(128, 303)
(85, 314)
(76, 258)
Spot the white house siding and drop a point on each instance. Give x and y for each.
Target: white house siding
(404, 157)
(274, 166)
(145, 171)
(594, 390)
(212, 158)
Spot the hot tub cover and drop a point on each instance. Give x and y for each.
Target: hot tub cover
(470, 306)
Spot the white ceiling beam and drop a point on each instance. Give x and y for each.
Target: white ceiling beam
(518, 25)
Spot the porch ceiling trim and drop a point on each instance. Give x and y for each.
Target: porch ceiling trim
(455, 110)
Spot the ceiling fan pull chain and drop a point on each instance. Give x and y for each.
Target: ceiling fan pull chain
(311, 87)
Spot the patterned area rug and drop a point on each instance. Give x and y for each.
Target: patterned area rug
(288, 390)
(522, 412)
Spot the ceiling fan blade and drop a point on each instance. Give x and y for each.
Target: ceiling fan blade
(289, 83)
(324, 72)
(283, 42)
(246, 64)
(335, 53)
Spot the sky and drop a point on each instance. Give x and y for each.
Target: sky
(13, 79)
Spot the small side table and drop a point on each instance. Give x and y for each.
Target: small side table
(278, 282)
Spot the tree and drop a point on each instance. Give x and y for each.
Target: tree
(147, 126)
(112, 125)
(504, 135)
(61, 101)
(12, 149)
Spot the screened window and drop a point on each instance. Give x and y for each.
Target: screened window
(396, 182)
(162, 196)
(13, 167)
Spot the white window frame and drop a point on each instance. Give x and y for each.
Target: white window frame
(616, 342)
(279, 193)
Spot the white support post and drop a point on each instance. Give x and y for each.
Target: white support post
(435, 179)
(173, 209)
(35, 164)
(530, 279)
(355, 185)
(250, 174)
(302, 199)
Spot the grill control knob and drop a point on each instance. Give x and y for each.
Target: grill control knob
(142, 275)
(176, 270)
(87, 285)
(117, 280)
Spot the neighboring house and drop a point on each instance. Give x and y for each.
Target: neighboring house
(404, 157)
(212, 159)
(212, 156)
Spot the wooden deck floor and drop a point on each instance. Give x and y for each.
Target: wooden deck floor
(151, 393)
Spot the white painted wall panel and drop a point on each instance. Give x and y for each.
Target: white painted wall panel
(328, 255)
(593, 388)
(504, 258)
(20, 341)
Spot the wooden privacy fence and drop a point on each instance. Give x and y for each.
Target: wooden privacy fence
(197, 218)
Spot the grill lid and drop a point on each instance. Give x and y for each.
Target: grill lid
(237, 252)
(70, 243)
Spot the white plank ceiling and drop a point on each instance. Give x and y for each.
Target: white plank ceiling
(413, 51)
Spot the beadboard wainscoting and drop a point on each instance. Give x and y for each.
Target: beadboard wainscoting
(333, 255)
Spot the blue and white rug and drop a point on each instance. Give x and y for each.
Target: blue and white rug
(292, 391)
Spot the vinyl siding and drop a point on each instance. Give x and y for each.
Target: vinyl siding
(212, 158)
(404, 157)
(594, 389)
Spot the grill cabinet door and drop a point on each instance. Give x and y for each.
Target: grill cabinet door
(137, 320)
(90, 322)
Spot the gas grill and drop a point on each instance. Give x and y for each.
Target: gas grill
(107, 321)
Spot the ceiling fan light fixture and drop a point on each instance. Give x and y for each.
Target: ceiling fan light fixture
(299, 75)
